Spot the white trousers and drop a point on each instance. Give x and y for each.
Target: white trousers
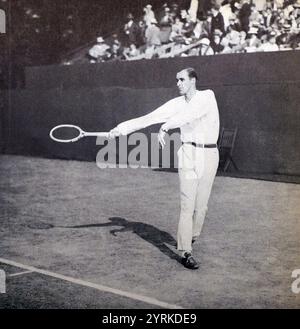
(197, 170)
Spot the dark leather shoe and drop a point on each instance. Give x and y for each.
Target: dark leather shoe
(189, 261)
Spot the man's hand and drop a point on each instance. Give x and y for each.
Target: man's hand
(161, 138)
(114, 133)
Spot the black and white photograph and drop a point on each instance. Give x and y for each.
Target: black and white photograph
(149, 156)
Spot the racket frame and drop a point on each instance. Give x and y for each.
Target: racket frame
(81, 134)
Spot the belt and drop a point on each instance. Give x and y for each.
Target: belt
(209, 146)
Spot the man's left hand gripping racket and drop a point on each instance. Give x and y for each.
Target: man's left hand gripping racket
(69, 133)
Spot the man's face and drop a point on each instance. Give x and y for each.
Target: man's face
(184, 82)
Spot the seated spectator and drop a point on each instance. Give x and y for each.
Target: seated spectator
(233, 36)
(270, 44)
(152, 34)
(283, 39)
(188, 27)
(99, 52)
(132, 52)
(175, 50)
(205, 48)
(176, 29)
(240, 47)
(252, 42)
(216, 43)
(225, 43)
(116, 50)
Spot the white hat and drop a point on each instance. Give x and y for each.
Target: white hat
(100, 39)
(205, 41)
(149, 6)
(253, 30)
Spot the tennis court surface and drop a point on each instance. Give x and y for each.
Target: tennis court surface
(76, 236)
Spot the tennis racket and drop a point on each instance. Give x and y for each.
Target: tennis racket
(70, 133)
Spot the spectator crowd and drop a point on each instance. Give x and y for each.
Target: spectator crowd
(232, 26)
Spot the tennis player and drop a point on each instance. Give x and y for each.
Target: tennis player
(196, 114)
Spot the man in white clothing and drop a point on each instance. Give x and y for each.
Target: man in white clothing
(196, 114)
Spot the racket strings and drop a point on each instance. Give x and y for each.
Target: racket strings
(66, 133)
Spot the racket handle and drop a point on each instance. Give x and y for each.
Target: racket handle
(96, 134)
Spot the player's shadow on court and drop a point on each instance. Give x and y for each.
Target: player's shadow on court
(149, 233)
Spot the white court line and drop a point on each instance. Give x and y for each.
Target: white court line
(96, 286)
(20, 273)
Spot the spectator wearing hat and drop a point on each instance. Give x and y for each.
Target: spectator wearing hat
(148, 15)
(270, 44)
(283, 40)
(131, 31)
(205, 48)
(252, 42)
(99, 52)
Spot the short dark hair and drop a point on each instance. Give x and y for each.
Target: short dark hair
(191, 73)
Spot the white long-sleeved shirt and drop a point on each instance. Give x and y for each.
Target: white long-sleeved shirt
(197, 119)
